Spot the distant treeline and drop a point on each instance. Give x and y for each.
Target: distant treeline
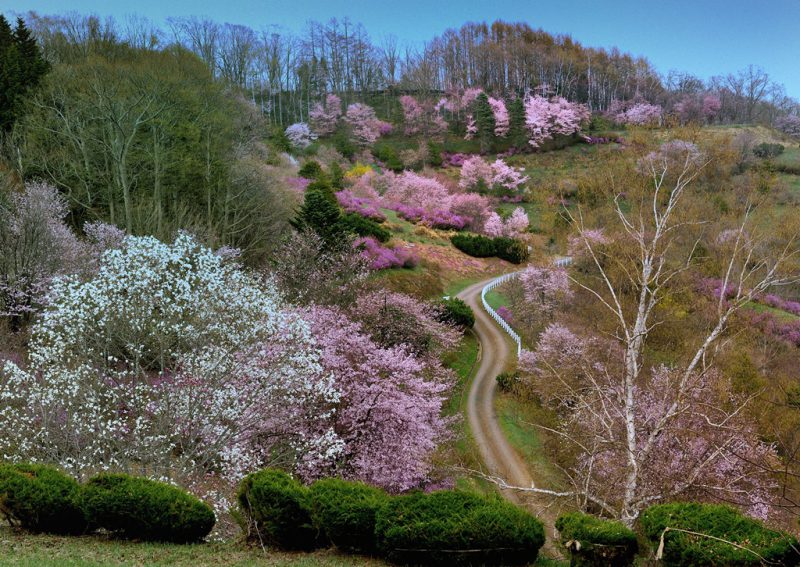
(284, 73)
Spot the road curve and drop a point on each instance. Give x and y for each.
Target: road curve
(498, 456)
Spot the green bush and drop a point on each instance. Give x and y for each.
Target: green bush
(719, 521)
(596, 542)
(40, 498)
(355, 223)
(766, 150)
(457, 528)
(311, 169)
(434, 154)
(510, 249)
(389, 156)
(455, 312)
(278, 510)
(344, 143)
(141, 508)
(474, 245)
(336, 174)
(345, 512)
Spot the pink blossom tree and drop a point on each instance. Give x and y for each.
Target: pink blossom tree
(545, 287)
(413, 115)
(546, 118)
(365, 126)
(494, 225)
(501, 118)
(325, 117)
(413, 189)
(389, 415)
(789, 125)
(517, 223)
(35, 246)
(471, 207)
(637, 112)
(476, 174)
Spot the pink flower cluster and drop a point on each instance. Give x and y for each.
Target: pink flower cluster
(505, 313)
(455, 160)
(435, 218)
(381, 257)
(546, 118)
(298, 184)
(368, 208)
(477, 173)
(637, 112)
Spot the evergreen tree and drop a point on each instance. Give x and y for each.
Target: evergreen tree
(516, 132)
(320, 213)
(21, 70)
(484, 120)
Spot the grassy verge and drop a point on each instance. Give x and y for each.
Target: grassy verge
(516, 419)
(28, 550)
(496, 299)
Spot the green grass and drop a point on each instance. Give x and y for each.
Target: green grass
(457, 286)
(516, 419)
(496, 299)
(28, 550)
(781, 315)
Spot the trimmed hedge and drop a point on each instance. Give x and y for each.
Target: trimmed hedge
(478, 246)
(718, 521)
(141, 508)
(593, 541)
(278, 508)
(457, 528)
(41, 498)
(361, 226)
(345, 511)
(456, 312)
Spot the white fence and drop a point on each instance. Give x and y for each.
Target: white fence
(559, 262)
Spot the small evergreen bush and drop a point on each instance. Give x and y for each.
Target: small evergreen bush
(345, 512)
(455, 312)
(719, 521)
(311, 169)
(510, 249)
(277, 509)
(40, 498)
(362, 226)
(141, 508)
(595, 542)
(457, 528)
(478, 246)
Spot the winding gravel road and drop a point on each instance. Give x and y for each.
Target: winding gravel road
(498, 456)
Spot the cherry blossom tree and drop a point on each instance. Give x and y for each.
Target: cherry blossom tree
(515, 225)
(501, 118)
(413, 189)
(300, 135)
(789, 125)
(413, 115)
(637, 112)
(477, 174)
(364, 124)
(545, 287)
(471, 207)
(325, 117)
(546, 118)
(389, 414)
(35, 246)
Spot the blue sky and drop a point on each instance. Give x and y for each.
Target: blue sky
(703, 37)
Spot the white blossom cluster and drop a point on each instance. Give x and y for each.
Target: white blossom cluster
(169, 362)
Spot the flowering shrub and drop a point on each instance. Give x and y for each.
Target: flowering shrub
(300, 135)
(169, 358)
(382, 257)
(516, 224)
(299, 184)
(368, 208)
(505, 314)
(472, 208)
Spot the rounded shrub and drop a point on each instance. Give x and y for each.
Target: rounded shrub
(311, 170)
(510, 249)
(456, 312)
(596, 542)
(140, 508)
(361, 226)
(757, 543)
(278, 510)
(457, 528)
(40, 498)
(345, 512)
(474, 245)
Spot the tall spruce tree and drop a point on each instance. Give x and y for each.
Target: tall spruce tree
(21, 70)
(516, 119)
(484, 120)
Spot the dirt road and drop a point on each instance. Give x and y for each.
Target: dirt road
(499, 457)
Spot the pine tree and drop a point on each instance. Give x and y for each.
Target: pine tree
(21, 70)
(484, 120)
(32, 64)
(320, 212)
(516, 133)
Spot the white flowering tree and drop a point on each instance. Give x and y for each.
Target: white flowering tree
(170, 362)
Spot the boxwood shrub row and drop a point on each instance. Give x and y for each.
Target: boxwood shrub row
(438, 528)
(478, 246)
(41, 498)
